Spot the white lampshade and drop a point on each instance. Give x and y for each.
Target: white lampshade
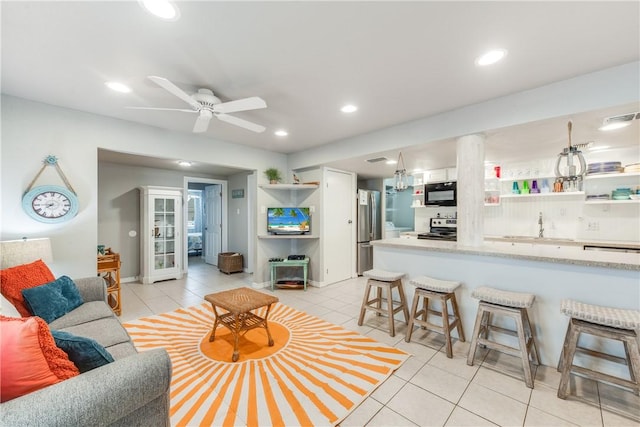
(24, 251)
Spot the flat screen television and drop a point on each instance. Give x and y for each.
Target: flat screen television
(288, 220)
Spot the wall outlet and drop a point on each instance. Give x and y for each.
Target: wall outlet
(593, 226)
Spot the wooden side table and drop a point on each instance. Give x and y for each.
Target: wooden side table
(304, 263)
(109, 270)
(239, 319)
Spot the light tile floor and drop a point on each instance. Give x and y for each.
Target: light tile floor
(429, 389)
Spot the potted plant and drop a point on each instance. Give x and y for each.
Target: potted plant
(273, 175)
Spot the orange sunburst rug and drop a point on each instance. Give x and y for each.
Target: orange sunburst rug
(315, 374)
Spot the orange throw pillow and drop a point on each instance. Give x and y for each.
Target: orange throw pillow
(13, 280)
(29, 358)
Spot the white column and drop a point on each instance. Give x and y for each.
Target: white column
(470, 163)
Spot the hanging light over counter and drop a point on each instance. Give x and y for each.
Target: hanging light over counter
(400, 175)
(571, 179)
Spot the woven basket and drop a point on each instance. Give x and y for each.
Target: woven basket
(230, 262)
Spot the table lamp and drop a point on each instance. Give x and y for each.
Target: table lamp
(24, 251)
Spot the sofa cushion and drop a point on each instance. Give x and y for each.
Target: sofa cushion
(107, 331)
(30, 358)
(85, 353)
(87, 312)
(122, 350)
(52, 300)
(13, 280)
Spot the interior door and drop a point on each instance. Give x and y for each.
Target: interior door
(339, 197)
(213, 223)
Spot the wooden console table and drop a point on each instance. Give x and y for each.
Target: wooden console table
(109, 270)
(304, 263)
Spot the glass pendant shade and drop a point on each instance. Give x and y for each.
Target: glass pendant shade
(400, 175)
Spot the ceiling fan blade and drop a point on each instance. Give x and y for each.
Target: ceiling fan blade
(240, 122)
(202, 122)
(162, 109)
(175, 90)
(253, 103)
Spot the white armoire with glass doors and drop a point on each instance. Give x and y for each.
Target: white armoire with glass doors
(161, 233)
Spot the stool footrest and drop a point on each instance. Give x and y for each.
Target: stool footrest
(601, 376)
(605, 356)
(506, 348)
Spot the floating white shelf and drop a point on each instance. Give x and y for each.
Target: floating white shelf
(287, 236)
(610, 202)
(288, 186)
(524, 196)
(612, 176)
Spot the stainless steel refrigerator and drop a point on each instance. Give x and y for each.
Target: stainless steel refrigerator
(369, 227)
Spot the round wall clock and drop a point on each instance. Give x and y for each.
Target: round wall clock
(50, 203)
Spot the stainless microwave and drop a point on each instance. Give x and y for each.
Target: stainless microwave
(440, 194)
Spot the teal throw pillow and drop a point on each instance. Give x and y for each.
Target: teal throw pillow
(53, 300)
(85, 353)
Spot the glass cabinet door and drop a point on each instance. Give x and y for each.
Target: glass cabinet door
(164, 233)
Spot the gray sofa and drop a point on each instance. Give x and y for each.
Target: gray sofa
(132, 391)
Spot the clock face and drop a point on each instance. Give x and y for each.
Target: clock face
(50, 203)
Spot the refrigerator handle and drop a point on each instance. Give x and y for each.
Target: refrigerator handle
(374, 219)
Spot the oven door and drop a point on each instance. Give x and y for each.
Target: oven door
(440, 194)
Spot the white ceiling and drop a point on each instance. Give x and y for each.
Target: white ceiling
(398, 61)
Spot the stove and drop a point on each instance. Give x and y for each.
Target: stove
(441, 229)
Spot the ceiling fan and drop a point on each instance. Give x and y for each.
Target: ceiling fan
(207, 105)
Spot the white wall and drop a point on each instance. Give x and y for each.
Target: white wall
(119, 207)
(607, 88)
(31, 131)
(567, 216)
(238, 217)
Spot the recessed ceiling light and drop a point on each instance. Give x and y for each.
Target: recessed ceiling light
(491, 57)
(163, 9)
(118, 87)
(391, 162)
(281, 132)
(184, 163)
(599, 147)
(349, 108)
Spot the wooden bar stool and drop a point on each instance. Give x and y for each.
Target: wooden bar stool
(386, 280)
(605, 322)
(513, 305)
(429, 288)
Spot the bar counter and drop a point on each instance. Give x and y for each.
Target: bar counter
(551, 272)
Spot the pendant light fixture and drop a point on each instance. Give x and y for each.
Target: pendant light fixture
(400, 175)
(571, 179)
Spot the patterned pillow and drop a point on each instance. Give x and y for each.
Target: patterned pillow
(13, 280)
(30, 358)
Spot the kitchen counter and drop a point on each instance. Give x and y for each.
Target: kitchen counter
(556, 251)
(552, 272)
(564, 242)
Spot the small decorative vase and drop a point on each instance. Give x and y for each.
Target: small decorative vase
(515, 189)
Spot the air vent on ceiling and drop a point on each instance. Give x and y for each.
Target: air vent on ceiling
(377, 160)
(617, 122)
(623, 117)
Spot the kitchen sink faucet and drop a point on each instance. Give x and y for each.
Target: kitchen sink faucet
(541, 228)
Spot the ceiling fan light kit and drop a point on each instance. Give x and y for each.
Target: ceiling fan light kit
(208, 105)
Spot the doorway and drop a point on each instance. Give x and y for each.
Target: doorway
(206, 220)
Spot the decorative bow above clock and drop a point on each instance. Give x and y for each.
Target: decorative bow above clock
(50, 203)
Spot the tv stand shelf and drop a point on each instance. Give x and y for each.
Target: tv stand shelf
(287, 236)
(289, 186)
